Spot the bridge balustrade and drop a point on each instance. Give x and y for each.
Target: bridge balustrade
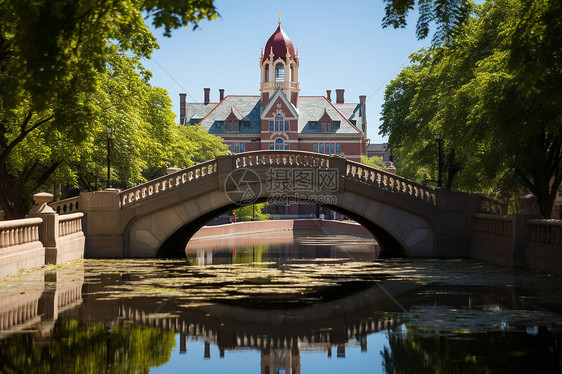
(389, 182)
(66, 206)
(70, 224)
(19, 232)
(167, 182)
(277, 158)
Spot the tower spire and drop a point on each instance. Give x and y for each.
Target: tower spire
(279, 14)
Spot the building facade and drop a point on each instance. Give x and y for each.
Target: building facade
(279, 118)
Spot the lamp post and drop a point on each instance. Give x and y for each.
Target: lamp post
(439, 161)
(110, 132)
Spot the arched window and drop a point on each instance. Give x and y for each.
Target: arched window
(279, 71)
(278, 122)
(266, 78)
(293, 75)
(278, 144)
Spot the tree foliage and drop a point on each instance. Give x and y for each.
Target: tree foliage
(252, 212)
(374, 161)
(62, 63)
(446, 15)
(496, 107)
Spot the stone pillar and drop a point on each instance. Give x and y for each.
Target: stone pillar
(339, 163)
(224, 168)
(528, 209)
(391, 169)
(49, 229)
(103, 230)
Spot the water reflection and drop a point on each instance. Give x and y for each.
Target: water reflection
(280, 247)
(281, 311)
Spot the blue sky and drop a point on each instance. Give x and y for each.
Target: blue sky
(341, 45)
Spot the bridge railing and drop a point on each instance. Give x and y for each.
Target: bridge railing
(389, 182)
(70, 224)
(281, 158)
(66, 206)
(19, 231)
(167, 182)
(546, 232)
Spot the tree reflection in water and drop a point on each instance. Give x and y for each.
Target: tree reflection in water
(418, 351)
(85, 347)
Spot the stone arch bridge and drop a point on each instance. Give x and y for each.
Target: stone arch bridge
(157, 218)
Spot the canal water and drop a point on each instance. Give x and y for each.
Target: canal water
(272, 303)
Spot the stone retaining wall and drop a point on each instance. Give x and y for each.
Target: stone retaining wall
(518, 240)
(244, 228)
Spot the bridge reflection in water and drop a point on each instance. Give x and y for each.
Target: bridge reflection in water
(279, 308)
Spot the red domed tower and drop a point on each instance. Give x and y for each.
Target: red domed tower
(279, 65)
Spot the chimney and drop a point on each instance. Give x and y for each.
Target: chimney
(329, 95)
(221, 94)
(207, 95)
(183, 108)
(362, 102)
(339, 96)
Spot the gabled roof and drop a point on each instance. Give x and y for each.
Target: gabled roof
(312, 108)
(245, 108)
(281, 94)
(352, 111)
(198, 111)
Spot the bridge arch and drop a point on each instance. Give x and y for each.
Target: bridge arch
(160, 226)
(408, 219)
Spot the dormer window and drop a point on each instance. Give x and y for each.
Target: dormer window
(279, 72)
(326, 127)
(232, 126)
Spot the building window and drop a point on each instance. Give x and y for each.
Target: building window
(323, 126)
(278, 144)
(279, 71)
(236, 147)
(286, 125)
(278, 122)
(326, 127)
(286, 146)
(327, 148)
(232, 126)
(266, 78)
(270, 125)
(271, 146)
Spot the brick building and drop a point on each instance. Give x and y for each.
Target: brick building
(279, 118)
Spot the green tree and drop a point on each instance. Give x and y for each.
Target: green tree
(375, 161)
(53, 57)
(498, 115)
(446, 15)
(252, 212)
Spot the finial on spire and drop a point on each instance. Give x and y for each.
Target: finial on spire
(279, 14)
